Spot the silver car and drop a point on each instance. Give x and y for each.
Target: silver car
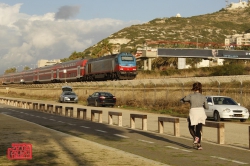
(68, 96)
(223, 107)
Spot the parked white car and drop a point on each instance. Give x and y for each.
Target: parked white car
(223, 107)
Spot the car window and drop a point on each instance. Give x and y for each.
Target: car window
(209, 100)
(224, 101)
(69, 93)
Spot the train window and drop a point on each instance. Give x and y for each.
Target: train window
(127, 58)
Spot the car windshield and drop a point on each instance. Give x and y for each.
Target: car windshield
(224, 101)
(69, 93)
(106, 94)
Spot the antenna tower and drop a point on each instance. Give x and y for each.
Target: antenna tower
(227, 3)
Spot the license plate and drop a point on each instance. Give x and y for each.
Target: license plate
(238, 115)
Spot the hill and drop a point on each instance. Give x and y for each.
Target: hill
(212, 27)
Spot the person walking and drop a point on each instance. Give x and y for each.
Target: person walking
(197, 116)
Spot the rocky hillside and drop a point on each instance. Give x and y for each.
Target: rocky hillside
(211, 27)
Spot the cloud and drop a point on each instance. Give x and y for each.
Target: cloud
(25, 39)
(66, 12)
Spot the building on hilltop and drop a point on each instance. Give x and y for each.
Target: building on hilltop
(44, 62)
(240, 4)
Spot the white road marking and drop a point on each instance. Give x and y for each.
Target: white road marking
(172, 147)
(38, 116)
(52, 119)
(71, 124)
(145, 141)
(123, 136)
(101, 131)
(234, 161)
(44, 118)
(84, 127)
(60, 122)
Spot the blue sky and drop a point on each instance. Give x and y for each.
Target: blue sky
(52, 29)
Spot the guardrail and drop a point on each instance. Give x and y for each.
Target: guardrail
(140, 116)
(58, 110)
(110, 117)
(176, 122)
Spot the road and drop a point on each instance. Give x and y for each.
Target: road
(164, 148)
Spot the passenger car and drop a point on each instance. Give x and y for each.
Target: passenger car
(68, 96)
(101, 99)
(223, 107)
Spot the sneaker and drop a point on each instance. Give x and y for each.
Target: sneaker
(199, 148)
(196, 140)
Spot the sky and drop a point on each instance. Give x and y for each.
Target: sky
(31, 30)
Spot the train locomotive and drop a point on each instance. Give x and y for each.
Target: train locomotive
(121, 66)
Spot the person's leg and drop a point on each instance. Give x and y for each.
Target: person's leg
(198, 131)
(198, 134)
(191, 129)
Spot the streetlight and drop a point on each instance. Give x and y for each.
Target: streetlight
(65, 71)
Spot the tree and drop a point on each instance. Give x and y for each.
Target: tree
(193, 61)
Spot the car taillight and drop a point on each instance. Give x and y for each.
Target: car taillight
(102, 97)
(114, 97)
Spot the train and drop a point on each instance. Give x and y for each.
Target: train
(121, 66)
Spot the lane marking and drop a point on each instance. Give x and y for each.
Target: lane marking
(84, 127)
(234, 161)
(172, 147)
(52, 119)
(145, 141)
(101, 131)
(123, 136)
(44, 117)
(60, 122)
(38, 116)
(71, 124)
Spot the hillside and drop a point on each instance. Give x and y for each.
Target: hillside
(212, 27)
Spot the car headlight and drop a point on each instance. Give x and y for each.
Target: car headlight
(227, 110)
(246, 110)
(66, 98)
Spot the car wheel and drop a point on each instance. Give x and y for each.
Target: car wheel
(96, 104)
(242, 120)
(216, 116)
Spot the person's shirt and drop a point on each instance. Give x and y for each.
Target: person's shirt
(196, 99)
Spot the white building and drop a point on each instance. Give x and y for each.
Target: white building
(240, 4)
(237, 40)
(44, 62)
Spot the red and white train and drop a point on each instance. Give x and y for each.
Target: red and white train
(120, 66)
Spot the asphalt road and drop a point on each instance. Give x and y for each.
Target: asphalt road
(164, 148)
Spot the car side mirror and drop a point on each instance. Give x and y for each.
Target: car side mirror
(209, 103)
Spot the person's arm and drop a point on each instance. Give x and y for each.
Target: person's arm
(205, 104)
(185, 99)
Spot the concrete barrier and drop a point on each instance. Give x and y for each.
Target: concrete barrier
(69, 110)
(29, 105)
(220, 130)
(110, 117)
(42, 107)
(35, 106)
(99, 112)
(141, 116)
(58, 110)
(50, 108)
(84, 111)
(175, 121)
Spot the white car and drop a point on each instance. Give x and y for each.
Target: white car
(223, 107)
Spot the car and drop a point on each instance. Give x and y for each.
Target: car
(101, 99)
(223, 107)
(68, 96)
